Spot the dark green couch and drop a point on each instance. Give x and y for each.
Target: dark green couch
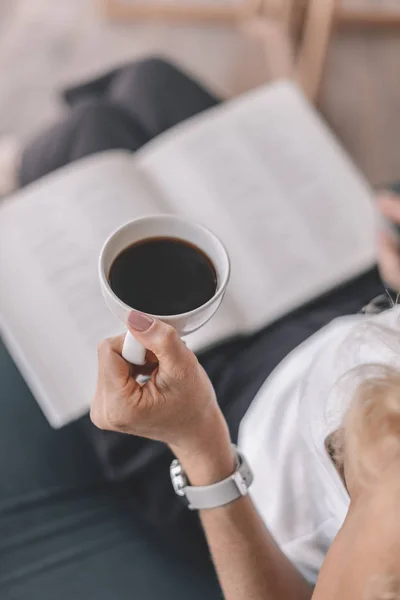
(65, 534)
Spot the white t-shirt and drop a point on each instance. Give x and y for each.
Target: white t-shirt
(297, 489)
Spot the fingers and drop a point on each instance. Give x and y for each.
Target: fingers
(389, 250)
(389, 259)
(116, 387)
(114, 371)
(159, 338)
(147, 369)
(389, 206)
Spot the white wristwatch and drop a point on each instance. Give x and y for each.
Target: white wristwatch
(215, 495)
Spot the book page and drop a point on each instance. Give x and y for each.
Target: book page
(52, 313)
(268, 177)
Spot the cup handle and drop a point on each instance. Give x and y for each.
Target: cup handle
(132, 351)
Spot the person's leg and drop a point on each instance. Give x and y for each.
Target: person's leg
(90, 127)
(122, 109)
(156, 92)
(159, 94)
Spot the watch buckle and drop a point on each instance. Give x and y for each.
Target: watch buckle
(240, 483)
(178, 478)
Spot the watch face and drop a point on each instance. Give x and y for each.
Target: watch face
(178, 478)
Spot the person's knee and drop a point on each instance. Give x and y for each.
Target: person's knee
(146, 79)
(151, 69)
(57, 145)
(103, 125)
(90, 113)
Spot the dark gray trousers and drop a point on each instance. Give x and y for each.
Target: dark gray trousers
(90, 514)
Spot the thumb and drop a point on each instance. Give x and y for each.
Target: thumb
(114, 371)
(162, 339)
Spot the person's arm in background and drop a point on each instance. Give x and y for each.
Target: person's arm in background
(388, 244)
(178, 407)
(363, 562)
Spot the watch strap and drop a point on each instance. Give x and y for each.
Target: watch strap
(223, 492)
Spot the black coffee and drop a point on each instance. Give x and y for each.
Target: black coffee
(163, 276)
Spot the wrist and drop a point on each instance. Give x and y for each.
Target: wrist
(207, 468)
(209, 458)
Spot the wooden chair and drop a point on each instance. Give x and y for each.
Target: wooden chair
(180, 10)
(321, 18)
(314, 19)
(313, 48)
(251, 13)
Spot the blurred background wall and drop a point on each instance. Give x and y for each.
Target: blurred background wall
(46, 44)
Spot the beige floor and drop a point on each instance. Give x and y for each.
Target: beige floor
(45, 44)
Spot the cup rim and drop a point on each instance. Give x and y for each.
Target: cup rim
(105, 283)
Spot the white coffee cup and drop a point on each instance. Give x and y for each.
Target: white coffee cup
(163, 226)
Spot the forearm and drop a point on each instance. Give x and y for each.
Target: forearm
(364, 559)
(249, 563)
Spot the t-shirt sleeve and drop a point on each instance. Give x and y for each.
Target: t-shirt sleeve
(308, 552)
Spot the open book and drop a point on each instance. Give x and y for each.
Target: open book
(262, 171)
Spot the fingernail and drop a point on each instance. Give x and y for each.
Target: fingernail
(139, 321)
